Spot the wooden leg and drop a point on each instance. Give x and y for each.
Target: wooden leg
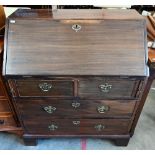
(122, 141)
(30, 141)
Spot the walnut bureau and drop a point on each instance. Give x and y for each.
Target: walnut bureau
(76, 73)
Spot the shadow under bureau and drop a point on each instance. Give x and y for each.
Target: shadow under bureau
(76, 73)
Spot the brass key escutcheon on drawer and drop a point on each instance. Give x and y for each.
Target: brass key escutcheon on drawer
(76, 27)
(45, 87)
(52, 127)
(105, 87)
(99, 127)
(103, 108)
(76, 122)
(76, 105)
(49, 109)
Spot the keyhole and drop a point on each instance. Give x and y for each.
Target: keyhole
(76, 27)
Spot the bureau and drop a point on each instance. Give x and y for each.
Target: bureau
(76, 73)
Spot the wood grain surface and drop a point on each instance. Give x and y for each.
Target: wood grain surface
(52, 47)
(86, 109)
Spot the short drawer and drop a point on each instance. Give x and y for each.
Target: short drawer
(76, 109)
(4, 106)
(76, 126)
(7, 120)
(44, 88)
(107, 88)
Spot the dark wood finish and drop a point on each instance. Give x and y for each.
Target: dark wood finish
(110, 49)
(120, 88)
(30, 141)
(82, 52)
(59, 88)
(122, 141)
(86, 109)
(66, 126)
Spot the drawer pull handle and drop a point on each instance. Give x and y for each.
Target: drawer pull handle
(49, 109)
(52, 127)
(75, 105)
(105, 87)
(45, 87)
(76, 122)
(99, 127)
(102, 109)
(76, 27)
(1, 122)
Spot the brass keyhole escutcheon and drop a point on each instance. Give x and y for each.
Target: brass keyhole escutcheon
(76, 27)
(53, 127)
(99, 127)
(50, 109)
(75, 105)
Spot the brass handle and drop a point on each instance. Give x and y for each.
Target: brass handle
(76, 27)
(76, 122)
(49, 109)
(1, 122)
(45, 86)
(99, 127)
(105, 87)
(102, 109)
(52, 127)
(75, 105)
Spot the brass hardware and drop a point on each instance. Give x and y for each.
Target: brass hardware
(75, 104)
(76, 27)
(52, 127)
(105, 87)
(49, 109)
(99, 127)
(103, 108)
(1, 122)
(76, 122)
(45, 86)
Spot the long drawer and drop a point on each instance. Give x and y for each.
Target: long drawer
(76, 126)
(50, 108)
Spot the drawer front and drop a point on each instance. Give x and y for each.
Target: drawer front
(4, 106)
(107, 87)
(7, 120)
(44, 88)
(76, 109)
(76, 126)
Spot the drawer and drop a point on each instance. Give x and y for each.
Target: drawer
(107, 87)
(76, 126)
(44, 88)
(76, 109)
(4, 106)
(7, 120)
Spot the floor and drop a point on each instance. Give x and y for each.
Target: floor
(143, 139)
